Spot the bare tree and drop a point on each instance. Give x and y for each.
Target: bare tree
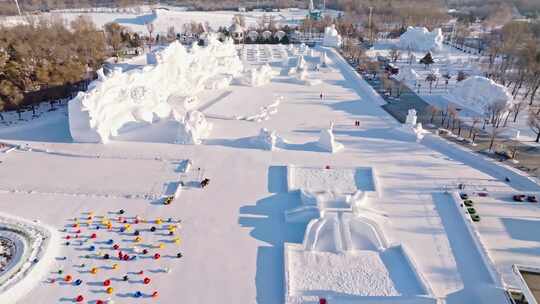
(493, 134)
(475, 121)
(150, 28)
(394, 54)
(534, 121)
(495, 112)
(513, 148)
(431, 78)
(432, 111)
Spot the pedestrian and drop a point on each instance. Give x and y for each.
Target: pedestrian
(321, 96)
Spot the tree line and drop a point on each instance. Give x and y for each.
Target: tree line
(44, 59)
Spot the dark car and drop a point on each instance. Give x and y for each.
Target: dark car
(392, 69)
(532, 199)
(519, 197)
(464, 196)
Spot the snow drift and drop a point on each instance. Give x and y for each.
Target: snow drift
(421, 39)
(141, 95)
(477, 92)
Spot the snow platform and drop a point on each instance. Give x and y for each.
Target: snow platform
(343, 180)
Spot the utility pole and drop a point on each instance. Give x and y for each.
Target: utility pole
(370, 24)
(18, 8)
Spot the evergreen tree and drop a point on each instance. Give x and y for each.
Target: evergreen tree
(427, 60)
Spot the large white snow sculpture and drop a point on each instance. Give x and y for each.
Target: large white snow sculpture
(267, 140)
(421, 39)
(331, 37)
(193, 129)
(477, 92)
(141, 95)
(327, 141)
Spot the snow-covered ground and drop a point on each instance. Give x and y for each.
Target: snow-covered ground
(233, 231)
(136, 20)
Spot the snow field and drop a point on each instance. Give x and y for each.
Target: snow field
(234, 231)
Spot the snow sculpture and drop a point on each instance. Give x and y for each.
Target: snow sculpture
(301, 63)
(324, 60)
(411, 128)
(411, 117)
(327, 141)
(193, 128)
(477, 93)
(141, 95)
(407, 74)
(267, 140)
(421, 39)
(266, 35)
(331, 37)
(258, 77)
(280, 34)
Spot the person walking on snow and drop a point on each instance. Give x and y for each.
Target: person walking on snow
(321, 96)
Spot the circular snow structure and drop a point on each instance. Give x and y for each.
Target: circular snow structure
(25, 256)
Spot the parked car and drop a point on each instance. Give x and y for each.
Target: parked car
(519, 197)
(391, 69)
(468, 203)
(532, 199)
(464, 196)
(475, 217)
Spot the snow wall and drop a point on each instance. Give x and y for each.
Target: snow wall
(141, 95)
(420, 39)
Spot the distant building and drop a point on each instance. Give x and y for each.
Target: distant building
(313, 13)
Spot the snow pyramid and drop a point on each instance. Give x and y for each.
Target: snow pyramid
(142, 95)
(477, 92)
(331, 37)
(193, 128)
(420, 39)
(267, 140)
(327, 141)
